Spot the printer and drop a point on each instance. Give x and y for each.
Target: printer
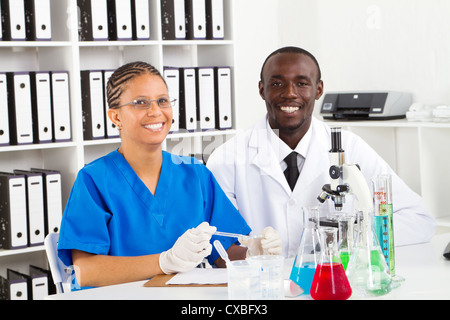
(386, 105)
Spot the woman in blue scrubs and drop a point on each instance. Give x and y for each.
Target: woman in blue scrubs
(140, 211)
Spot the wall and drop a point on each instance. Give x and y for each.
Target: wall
(377, 44)
(360, 44)
(256, 36)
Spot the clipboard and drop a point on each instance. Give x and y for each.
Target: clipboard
(160, 281)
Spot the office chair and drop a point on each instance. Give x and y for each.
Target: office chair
(61, 274)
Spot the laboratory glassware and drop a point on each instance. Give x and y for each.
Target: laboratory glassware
(346, 226)
(308, 252)
(330, 281)
(367, 270)
(271, 275)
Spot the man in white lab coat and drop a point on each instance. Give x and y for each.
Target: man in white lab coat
(250, 166)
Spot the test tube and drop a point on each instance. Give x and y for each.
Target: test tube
(390, 213)
(382, 197)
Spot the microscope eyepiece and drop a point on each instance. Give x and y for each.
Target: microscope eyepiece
(336, 142)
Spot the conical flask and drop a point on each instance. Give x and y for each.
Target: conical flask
(330, 281)
(308, 252)
(367, 270)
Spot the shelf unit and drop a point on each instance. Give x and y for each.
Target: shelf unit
(66, 52)
(417, 151)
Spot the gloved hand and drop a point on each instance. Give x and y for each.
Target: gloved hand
(269, 244)
(188, 251)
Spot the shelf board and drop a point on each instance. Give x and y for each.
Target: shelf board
(403, 123)
(37, 146)
(34, 44)
(170, 136)
(4, 253)
(201, 134)
(82, 44)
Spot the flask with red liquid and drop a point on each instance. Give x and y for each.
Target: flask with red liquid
(330, 281)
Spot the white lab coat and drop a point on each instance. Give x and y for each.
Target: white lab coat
(249, 172)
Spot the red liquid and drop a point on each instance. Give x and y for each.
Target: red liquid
(330, 283)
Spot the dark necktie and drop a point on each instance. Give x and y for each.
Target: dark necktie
(291, 173)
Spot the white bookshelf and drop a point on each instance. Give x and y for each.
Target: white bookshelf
(66, 52)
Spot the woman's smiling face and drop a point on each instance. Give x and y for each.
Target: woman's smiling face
(150, 126)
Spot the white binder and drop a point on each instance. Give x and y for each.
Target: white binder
(111, 130)
(119, 15)
(141, 19)
(61, 106)
(172, 77)
(39, 283)
(205, 98)
(93, 111)
(195, 19)
(173, 19)
(13, 211)
(223, 97)
(189, 99)
(13, 17)
(52, 199)
(38, 20)
(18, 284)
(41, 107)
(4, 119)
(20, 117)
(93, 19)
(214, 19)
(35, 207)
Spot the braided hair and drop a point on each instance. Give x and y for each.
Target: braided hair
(118, 80)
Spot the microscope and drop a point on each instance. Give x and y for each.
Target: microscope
(345, 179)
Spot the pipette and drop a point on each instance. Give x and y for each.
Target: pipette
(234, 235)
(221, 250)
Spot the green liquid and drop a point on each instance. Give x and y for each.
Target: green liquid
(345, 258)
(381, 281)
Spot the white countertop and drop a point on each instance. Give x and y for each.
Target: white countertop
(425, 270)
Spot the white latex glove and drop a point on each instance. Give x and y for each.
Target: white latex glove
(268, 244)
(271, 241)
(188, 251)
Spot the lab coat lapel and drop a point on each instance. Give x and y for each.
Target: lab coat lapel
(263, 156)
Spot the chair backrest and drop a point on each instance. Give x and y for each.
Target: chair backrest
(60, 272)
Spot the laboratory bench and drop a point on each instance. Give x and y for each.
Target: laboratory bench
(425, 271)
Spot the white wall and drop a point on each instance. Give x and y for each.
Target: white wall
(360, 44)
(256, 36)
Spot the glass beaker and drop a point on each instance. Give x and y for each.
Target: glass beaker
(330, 281)
(271, 274)
(243, 281)
(346, 223)
(367, 270)
(308, 252)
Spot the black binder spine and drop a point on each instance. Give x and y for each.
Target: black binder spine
(85, 20)
(169, 25)
(31, 23)
(7, 23)
(86, 105)
(6, 228)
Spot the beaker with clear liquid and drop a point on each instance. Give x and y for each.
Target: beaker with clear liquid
(308, 252)
(367, 270)
(330, 281)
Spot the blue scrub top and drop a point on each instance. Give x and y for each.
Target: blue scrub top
(110, 211)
